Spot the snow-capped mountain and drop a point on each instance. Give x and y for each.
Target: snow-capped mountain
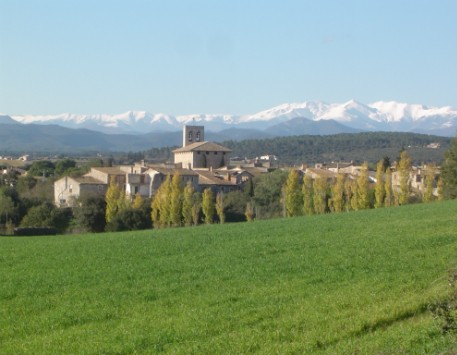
(377, 116)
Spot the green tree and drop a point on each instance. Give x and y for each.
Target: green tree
(220, 207)
(165, 202)
(429, 181)
(293, 195)
(112, 200)
(268, 193)
(363, 188)
(64, 166)
(208, 205)
(176, 201)
(47, 215)
(308, 191)
(440, 189)
(320, 195)
(41, 168)
(380, 189)
(188, 203)
(354, 196)
(338, 193)
(404, 169)
(235, 206)
(89, 214)
(449, 171)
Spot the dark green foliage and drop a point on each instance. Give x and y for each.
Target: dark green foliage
(41, 168)
(64, 166)
(131, 219)
(47, 215)
(449, 171)
(89, 215)
(359, 147)
(445, 310)
(268, 193)
(235, 206)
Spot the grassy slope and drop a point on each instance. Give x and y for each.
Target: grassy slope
(341, 283)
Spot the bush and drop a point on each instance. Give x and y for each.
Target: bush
(130, 219)
(445, 311)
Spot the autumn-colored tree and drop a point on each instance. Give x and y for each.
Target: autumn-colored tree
(320, 195)
(220, 207)
(354, 196)
(363, 188)
(380, 189)
(112, 200)
(155, 210)
(187, 203)
(122, 203)
(440, 188)
(404, 169)
(307, 192)
(389, 196)
(138, 202)
(249, 213)
(338, 193)
(293, 195)
(196, 208)
(164, 193)
(175, 200)
(429, 180)
(208, 205)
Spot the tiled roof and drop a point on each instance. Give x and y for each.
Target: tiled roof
(88, 180)
(110, 170)
(206, 177)
(172, 171)
(202, 147)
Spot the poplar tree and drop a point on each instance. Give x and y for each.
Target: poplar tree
(363, 188)
(429, 180)
(175, 200)
(138, 201)
(220, 207)
(388, 198)
(187, 203)
(164, 193)
(440, 188)
(293, 195)
(208, 205)
(348, 192)
(404, 169)
(320, 195)
(112, 200)
(196, 208)
(155, 210)
(354, 196)
(308, 191)
(338, 193)
(380, 189)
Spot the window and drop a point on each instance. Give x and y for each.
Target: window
(198, 137)
(190, 137)
(70, 188)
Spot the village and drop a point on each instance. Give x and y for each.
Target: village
(209, 165)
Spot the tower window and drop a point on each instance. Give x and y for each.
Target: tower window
(190, 137)
(198, 137)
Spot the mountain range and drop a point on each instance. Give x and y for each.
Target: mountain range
(310, 117)
(139, 130)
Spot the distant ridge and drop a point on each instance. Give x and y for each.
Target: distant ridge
(350, 116)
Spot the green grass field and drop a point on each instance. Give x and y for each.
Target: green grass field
(356, 282)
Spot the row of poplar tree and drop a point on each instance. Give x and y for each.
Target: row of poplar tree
(173, 205)
(345, 194)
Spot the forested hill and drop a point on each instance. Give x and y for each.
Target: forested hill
(359, 147)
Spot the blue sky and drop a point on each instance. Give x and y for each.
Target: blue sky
(224, 56)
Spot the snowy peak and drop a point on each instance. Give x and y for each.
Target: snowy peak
(380, 115)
